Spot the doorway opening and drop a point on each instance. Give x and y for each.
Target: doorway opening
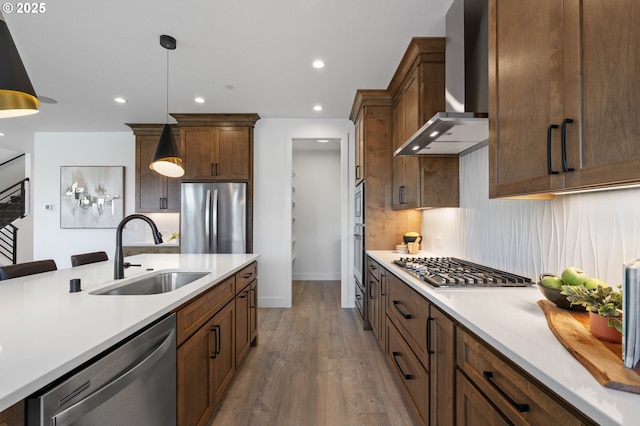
(316, 211)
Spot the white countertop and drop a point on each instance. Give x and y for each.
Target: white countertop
(45, 331)
(510, 320)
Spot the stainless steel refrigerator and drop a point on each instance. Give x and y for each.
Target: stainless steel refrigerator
(213, 217)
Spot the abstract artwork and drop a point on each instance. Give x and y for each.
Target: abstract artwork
(91, 196)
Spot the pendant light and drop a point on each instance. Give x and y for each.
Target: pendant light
(166, 159)
(17, 97)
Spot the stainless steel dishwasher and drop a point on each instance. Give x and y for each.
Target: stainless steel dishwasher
(133, 383)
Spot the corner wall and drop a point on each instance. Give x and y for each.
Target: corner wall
(273, 139)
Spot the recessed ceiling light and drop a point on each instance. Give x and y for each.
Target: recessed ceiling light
(318, 64)
(199, 100)
(434, 134)
(323, 140)
(1, 134)
(120, 100)
(317, 108)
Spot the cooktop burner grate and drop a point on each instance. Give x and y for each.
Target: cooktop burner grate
(453, 272)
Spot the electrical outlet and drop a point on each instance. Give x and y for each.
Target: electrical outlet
(437, 242)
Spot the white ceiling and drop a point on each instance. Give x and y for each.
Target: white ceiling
(84, 53)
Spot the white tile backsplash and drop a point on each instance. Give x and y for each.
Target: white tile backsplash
(595, 231)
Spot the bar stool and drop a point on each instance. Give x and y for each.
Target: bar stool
(27, 268)
(86, 258)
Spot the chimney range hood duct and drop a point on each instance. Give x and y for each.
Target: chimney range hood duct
(458, 130)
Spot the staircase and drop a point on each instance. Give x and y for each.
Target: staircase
(12, 207)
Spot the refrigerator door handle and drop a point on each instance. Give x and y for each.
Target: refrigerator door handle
(214, 223)
(207, 219)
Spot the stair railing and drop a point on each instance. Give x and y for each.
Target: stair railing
(8, 241)
(12, 207)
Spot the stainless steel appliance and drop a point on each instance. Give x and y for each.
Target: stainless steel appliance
(132, 384)
(213, 217)
(452, 272)
(358, 250)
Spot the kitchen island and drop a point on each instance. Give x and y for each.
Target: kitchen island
(509, 320)
(46, 331)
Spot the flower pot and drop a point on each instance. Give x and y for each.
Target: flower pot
(599, 327)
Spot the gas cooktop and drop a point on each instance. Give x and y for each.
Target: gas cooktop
(452, 272)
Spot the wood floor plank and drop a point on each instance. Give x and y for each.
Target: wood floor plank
(315, 365)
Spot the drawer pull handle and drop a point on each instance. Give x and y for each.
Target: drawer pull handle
(395, 360)
(358, 296)
(405, 316)
(520, 407)
(429, 350)
(247, 275)
(371, 295)
(214, 330)
(245, 294)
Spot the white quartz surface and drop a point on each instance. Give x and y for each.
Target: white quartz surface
(510, 320)
(45, 331)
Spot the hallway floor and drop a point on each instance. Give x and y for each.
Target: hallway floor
(314, 365)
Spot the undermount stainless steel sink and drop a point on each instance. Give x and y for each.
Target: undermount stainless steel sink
(158, 282)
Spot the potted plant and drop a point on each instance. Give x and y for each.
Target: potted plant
(605, 309)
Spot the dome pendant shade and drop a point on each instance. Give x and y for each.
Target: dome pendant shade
(166, 159)
(17, 97)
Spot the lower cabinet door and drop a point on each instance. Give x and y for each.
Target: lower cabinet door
(253, 313)
(195, 392)
(410, 371)
(223, 359)
(472, 408)
(243, 334)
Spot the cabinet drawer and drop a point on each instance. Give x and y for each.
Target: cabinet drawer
(410, 371)
(246, 275)
(409, 311)
(374, 268)
(197, 312)
(517, 396)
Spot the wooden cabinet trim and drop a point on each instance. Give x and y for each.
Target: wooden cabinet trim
(409, 311)
(195, 313)
(475, 357)
(246, 275)
(198, 120)
(409, 371)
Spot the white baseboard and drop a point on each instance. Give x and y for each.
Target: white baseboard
(316, 276)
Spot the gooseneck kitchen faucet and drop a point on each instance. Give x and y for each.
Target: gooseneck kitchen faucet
(118, 269)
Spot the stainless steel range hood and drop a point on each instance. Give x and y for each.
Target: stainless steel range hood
(465, 124)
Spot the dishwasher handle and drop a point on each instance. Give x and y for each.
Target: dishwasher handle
(74, 412)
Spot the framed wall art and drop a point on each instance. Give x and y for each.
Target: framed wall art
(91, 196)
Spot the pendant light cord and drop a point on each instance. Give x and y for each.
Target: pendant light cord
(166, 118)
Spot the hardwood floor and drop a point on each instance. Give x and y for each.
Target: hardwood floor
(314, 365)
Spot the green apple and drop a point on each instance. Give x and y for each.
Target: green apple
(592, 283)
(573, 276)
(551, 281)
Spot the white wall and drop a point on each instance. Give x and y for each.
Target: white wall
(272, 202)
(316, 229)
(595, 231)
(53, 150)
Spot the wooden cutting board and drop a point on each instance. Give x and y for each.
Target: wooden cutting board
(602, 359)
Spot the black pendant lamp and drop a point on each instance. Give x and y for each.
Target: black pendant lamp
(17, 97)
(166, 159)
